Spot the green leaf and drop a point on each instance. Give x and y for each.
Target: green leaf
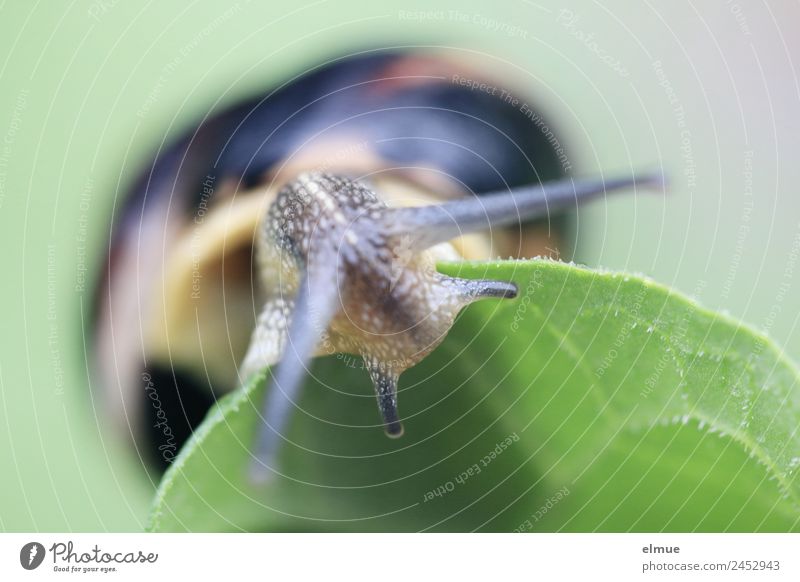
(593, 402)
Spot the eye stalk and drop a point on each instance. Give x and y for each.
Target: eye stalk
(342, 272)
(430, 225)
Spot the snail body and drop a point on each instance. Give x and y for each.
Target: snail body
(309, 221)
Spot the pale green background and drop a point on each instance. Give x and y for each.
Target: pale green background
(87, 90)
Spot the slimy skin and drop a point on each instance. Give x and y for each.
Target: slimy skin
(343, 271)
(323, 245)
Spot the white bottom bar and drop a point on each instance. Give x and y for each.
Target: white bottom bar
(352, 557)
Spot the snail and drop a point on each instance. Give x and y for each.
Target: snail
(309, 221)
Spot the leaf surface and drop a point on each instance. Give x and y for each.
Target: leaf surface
(594, 401)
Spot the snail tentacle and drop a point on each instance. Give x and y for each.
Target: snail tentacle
(314, 306)
(385, 379)
(431, 225)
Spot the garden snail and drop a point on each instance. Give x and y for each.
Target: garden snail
(309, 222)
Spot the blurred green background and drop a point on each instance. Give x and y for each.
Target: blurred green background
(89, 89)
